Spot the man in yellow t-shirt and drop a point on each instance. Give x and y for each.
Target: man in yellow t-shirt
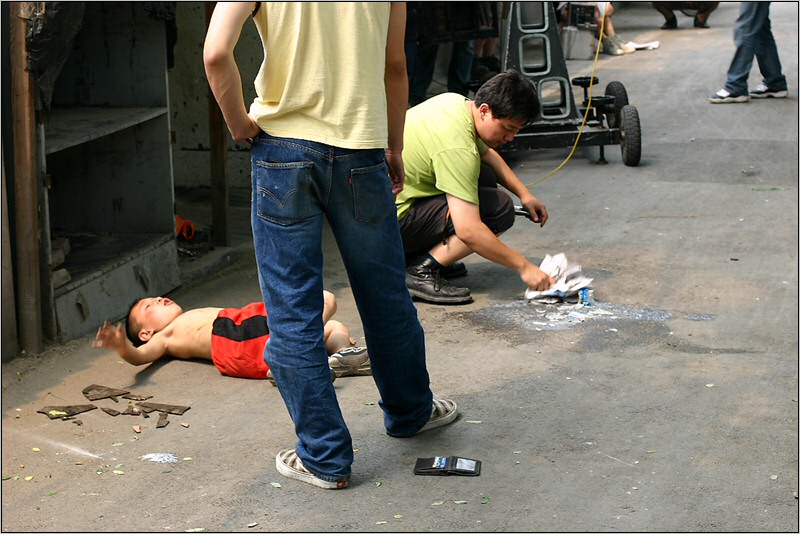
(326, 134)
(450, 206)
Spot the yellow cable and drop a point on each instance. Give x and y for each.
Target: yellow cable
(586, 113)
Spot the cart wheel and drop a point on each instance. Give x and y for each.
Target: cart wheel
(630, 136)
(617, 90)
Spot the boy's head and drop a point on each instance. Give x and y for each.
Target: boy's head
(149, 316)
(505, 104)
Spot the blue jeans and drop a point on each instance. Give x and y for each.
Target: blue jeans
(752, 35)
(459, 70)
(295, 184)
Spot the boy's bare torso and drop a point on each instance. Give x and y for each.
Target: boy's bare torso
(189, 334)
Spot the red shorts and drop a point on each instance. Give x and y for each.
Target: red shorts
(238, 337)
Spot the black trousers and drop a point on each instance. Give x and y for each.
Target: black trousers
(428, 221)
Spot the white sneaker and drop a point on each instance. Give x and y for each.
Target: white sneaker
(762, 91)
(724, 97)
(352, 361)
(443, 413)
(289, 465)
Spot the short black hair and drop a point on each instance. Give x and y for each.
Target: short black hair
(131, 329)
(510, 95)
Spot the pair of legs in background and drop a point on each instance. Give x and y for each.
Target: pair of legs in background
(752, 34)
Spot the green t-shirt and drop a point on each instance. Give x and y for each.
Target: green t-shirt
(441, 151)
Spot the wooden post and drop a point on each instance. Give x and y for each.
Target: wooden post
(218, 144)
(26, 184)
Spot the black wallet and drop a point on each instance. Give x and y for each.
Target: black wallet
(447, 465)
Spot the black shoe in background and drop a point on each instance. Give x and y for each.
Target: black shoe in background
(454, 271)
(425, 281)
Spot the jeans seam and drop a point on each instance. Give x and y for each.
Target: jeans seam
(299, 147)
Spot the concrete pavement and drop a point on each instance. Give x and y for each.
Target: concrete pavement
(674, 408)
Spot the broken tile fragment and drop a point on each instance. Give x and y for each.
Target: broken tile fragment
(132, 410)
(133, 397)
(59, 412)
(97, 392)
(162, 420)
(168, 408)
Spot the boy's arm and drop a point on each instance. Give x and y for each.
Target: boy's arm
(113, 338)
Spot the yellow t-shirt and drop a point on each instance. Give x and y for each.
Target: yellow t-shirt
(322, 74)
(441, 151)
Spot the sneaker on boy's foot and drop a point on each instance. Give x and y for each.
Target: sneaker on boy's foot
(762, 91)
(289, 465)
(352, 361)
(444, 412)
(272, 378)
(724, 97)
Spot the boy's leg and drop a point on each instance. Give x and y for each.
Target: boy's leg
(328, 306)
(337, 337)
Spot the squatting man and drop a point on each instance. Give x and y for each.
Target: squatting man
(451, 206)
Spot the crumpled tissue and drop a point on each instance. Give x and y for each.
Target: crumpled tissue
(569, 279)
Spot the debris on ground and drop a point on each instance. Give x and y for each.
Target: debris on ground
(60, 412)
(132, 410)
(162, 420)
(160, 457)
(133, 397)
(569, 279)
(97, 392)
(174, 409)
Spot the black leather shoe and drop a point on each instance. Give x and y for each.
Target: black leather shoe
(700, 24)
(671, 24)
(425, 281)
(454, 271)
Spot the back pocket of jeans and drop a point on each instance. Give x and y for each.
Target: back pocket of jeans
(372, 193)
(282, 191)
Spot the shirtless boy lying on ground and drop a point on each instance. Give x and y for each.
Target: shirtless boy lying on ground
(232, 338)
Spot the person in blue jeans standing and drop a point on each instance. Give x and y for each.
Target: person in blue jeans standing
(752, 35)
(326, 129)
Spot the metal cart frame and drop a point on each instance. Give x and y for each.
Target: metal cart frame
(533, 46)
